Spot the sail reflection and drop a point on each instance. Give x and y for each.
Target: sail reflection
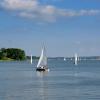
(43, 85)
(42, 73)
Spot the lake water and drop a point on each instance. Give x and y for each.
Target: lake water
(65, 81)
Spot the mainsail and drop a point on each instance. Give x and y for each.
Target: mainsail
(31, 59)
(43, 59)
(64, 59)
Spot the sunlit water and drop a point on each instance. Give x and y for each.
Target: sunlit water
(65, 81)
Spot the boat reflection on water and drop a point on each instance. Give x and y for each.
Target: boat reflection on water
(43, 85)
(42, 73)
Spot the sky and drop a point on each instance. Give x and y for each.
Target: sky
(65, 27)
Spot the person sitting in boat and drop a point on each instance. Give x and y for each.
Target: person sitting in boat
(42, 67)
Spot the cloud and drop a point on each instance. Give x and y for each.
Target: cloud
(33, 9)
(19, 4)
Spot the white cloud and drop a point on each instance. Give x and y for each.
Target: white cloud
(88, 12)
(19, 4)
(35, 10)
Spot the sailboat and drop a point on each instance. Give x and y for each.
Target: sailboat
(76, 59)
(31, 59)
(64, 59)
(42, 63)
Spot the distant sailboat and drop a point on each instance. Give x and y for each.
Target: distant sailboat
(42, 63)
(64, 59)
(71, 59)
(76, 59)
(31, 60)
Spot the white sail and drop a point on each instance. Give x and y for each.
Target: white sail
(43, 59)
(31, 59)
(64, 59)
(76, 59)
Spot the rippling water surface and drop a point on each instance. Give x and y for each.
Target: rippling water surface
(65, 81)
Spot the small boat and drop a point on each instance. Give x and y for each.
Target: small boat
(42, 63)
(64, 59)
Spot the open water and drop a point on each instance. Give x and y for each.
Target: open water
(65, 81)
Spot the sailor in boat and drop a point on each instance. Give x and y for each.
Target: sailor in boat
(42, 68)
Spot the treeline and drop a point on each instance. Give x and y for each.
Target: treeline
(12, 54)
(33, 57)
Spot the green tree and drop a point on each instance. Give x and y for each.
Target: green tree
(13, 53)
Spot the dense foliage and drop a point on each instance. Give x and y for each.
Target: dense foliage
(12, 53)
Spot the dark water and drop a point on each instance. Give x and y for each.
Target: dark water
(65, 81)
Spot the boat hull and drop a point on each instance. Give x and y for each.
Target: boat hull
(42, 69)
